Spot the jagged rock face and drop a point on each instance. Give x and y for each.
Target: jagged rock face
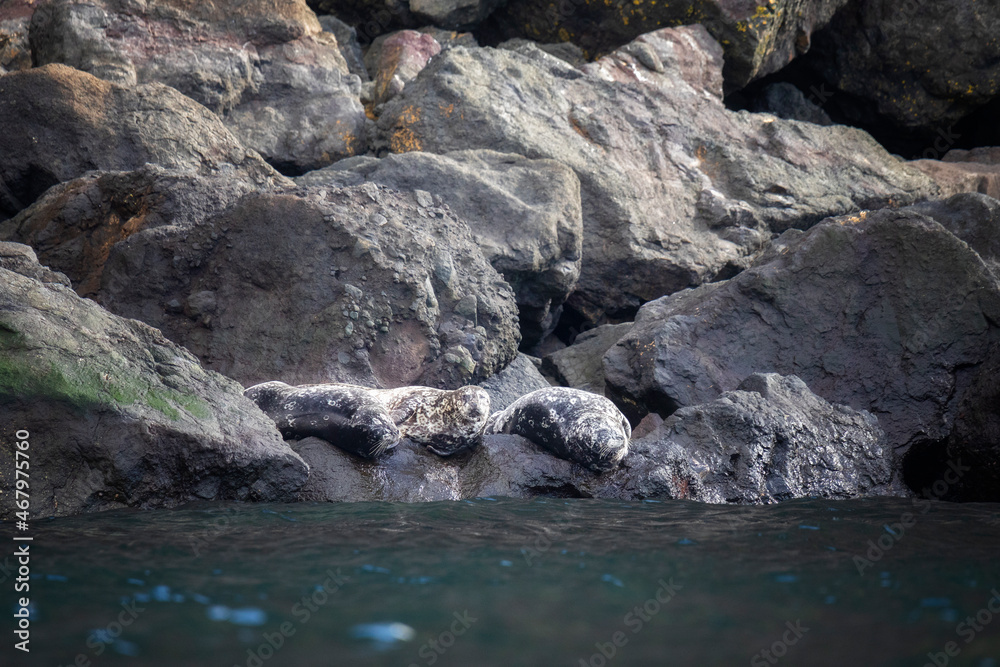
(524, 215)
(279, 82)
(676, 190)
(758, 38)
(118, 416)
(885, 311)
(60, 123)
(361, 285)
(924, 65)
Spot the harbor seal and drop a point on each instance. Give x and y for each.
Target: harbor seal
(446, 422)
(572, 424)
(346, 416)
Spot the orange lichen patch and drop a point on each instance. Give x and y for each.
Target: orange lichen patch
(350, 143)
(855, 219)
(403, 138)
(446, 110)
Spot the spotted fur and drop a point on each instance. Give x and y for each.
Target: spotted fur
(574, 425)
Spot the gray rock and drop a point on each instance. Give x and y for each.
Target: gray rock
(286, 269)
(347, 42)
(676, 189)
(759, 38)
(519, 378)
(453, 14)
(60, 123)
(921, 64)
(278, 81)
(568, 52)
(76, 224)
(21, 259)
(773, 439)
(974, 218)
(580, 365)
(395, 59)
(376, 17)
(120, 417)
(786, 101)
(884, 311)
(524, 215)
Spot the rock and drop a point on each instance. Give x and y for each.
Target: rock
(120, 417)
(15, 52)
(76, 224)
(278, 81)
(21, 259)
(965, 171)
(317, 285)
(772, 440)
(401, 56)
(975, 219)
(60, 123)
(453, 14)
(884, 311)
(519, 378)
(759, 38)
(579, 365)
(524, 215)
(924, 65)
(347, 42)
(568, 52)
(786, 101)
(969, 461)
(676, 189)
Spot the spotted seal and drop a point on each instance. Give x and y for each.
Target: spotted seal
(445, 422)
(572, 424)
(344, 415)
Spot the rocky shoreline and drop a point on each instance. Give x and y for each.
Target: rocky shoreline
(197, 198)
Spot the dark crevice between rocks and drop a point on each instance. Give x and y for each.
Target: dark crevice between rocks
(979, 128)
(289, 169)
(562, 491)
(924, 466)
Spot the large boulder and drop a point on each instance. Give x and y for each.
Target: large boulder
(279, 82)
(519, 378)
(884, 311)
(772, 440)
(524, 215)
(117, 416)
(759, 37)
(60, 123)
(972, 217)
(922, 64)
(75, 224)
(580, 364)
(676, 189)
(362, 285)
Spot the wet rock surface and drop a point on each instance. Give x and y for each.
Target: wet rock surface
(120, 417)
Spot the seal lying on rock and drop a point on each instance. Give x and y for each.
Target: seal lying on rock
(445, 422)
(574, 425)
(344, 415)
